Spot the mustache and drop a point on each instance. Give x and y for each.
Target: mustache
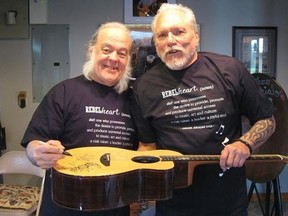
(173, 49)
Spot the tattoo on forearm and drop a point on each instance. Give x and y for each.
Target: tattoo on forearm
(260, 132)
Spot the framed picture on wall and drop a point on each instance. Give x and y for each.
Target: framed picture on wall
(256, 47)
(140, 33)
(143, 54)
(141, 11)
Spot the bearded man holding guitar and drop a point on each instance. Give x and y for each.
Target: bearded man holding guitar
(192, 102)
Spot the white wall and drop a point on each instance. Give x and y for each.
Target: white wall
(216, 19)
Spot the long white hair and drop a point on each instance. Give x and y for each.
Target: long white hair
(88, 67)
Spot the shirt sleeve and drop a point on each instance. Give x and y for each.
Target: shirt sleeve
(47, 121)
(252, 101)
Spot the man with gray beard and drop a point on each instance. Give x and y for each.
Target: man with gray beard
(203, 118)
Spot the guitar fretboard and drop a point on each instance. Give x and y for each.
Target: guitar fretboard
(260, 157)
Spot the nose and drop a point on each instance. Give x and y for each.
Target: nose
(171, 38)
(113, 56)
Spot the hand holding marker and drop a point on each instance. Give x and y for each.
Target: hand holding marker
(64, 152)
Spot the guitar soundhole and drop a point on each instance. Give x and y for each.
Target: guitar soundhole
(145, 159)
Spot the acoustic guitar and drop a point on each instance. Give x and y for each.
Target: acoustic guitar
(101, 178)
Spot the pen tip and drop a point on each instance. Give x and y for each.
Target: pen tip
(67, 153)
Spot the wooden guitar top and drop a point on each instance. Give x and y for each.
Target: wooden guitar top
(90, 161)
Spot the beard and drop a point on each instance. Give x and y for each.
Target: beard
(179, 62)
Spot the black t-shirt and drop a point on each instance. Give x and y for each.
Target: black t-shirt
(79, 113)
(192, 111)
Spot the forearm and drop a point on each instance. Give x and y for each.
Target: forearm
(260, 132)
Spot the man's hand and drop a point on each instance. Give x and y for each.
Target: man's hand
(44, 155)
(234, 155)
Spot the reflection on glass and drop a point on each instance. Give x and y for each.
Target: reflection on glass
(255, 53)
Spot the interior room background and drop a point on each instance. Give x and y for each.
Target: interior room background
(216, 19)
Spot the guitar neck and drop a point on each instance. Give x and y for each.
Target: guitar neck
(216, 158)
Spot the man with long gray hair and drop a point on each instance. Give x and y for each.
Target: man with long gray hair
(69, 115)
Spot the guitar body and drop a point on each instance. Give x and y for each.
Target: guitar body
(102, 178)
(86, 182)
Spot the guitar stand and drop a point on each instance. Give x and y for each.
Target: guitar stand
(277, 198)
